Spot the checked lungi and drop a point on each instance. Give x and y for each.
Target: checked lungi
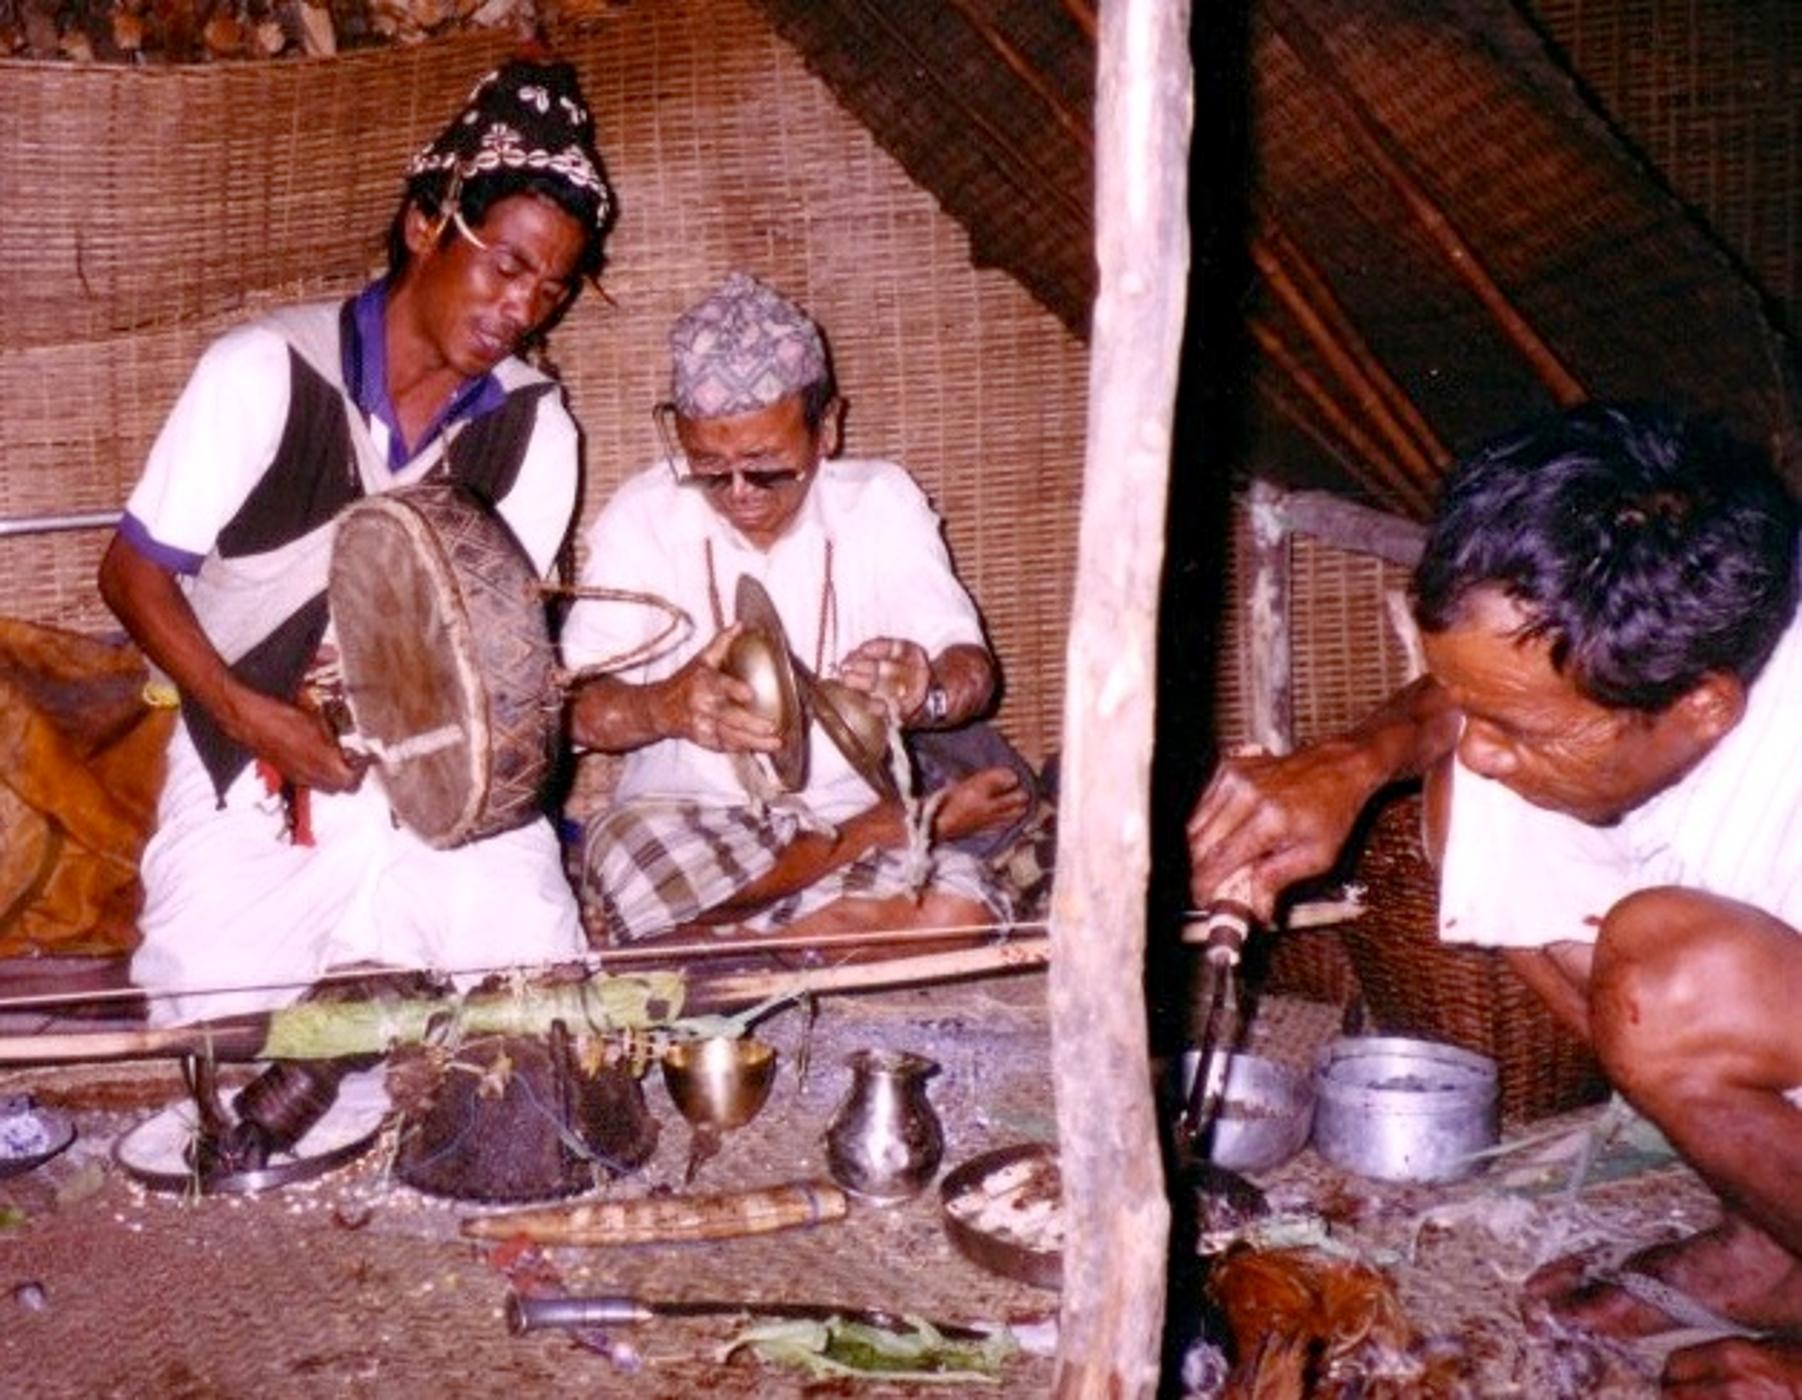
(649, 864)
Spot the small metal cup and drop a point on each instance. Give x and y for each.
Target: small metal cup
(719, 1082)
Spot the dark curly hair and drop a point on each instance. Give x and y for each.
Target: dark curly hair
(1650, 549)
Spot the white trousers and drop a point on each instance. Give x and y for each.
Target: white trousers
(237, 919)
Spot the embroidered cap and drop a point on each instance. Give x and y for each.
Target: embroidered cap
(741, 349)
(526, 116)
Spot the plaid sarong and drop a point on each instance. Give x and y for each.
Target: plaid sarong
(650, 864)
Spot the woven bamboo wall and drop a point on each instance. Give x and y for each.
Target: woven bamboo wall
(147, 211)
(1708, 90)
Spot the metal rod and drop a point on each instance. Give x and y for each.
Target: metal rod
(50, 524)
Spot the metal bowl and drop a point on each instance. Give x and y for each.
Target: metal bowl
(1264, 1112)
(719, 1082)
(1399, 1109)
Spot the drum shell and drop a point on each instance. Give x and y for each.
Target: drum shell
(440, 622)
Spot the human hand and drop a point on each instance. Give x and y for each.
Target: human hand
(1734, 1368)
(1277, 819)
(712, 708)
(988, 798)
(297, 743)
(895, 672)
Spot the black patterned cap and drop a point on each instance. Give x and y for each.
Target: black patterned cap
(528, 116)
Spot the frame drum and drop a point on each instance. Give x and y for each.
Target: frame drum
(449, 669)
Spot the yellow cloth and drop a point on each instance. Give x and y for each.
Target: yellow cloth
(81, 760)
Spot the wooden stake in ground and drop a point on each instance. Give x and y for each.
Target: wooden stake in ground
(1117, 1221)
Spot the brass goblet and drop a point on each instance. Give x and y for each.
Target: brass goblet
(717, 1084)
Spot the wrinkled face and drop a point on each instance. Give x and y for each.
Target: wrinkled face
(488, 286)
(1529, 728)
(756, 468)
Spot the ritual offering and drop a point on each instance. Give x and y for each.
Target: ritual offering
(514, 1118)
(1003, 1211)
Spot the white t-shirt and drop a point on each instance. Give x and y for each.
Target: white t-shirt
(1518, 876)
(223, 432)
(891, 577)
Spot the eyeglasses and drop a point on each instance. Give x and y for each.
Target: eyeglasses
(764, 473)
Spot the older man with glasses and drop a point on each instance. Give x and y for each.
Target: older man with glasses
(852, 558)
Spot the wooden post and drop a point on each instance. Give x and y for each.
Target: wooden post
(1117, 1220)
(1272, 656)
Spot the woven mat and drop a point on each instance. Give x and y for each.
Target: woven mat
(152, 1295)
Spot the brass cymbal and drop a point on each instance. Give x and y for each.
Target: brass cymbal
(759, 656)
(855, 724)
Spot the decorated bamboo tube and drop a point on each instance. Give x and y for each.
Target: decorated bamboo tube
(670, 1219)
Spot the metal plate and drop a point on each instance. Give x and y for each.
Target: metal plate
(154, 1152)
(1042, 1268)
(61, 1133)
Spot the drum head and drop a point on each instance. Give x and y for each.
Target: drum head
(769, 668)
(448, 666)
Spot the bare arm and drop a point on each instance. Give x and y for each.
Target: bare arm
(145, 597)
(899, 673)
(1285, 818)
(699, 703)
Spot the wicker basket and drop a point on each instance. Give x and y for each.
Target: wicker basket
(1413, 984)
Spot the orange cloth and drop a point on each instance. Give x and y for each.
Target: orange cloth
(81, 761)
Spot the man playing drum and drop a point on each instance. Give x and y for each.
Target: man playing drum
(271, 863)
(1608, 602)
(852, 558)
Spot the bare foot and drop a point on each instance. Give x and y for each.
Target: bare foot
(1732, 1269)
(1735, 1369)
(988, 798)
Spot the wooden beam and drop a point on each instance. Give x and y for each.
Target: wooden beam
(1272, 658)
(1347, 525)
(1276, 351)
(1117, 1218)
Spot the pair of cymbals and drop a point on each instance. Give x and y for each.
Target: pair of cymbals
(789, 695)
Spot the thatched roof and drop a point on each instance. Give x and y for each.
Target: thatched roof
(1415, 191)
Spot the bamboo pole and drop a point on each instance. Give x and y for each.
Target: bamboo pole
(1349, 357)
(1117, 1219)
(1314, 286)
(1272, 657)
(1272, 346)
(1026, 72)
(1301, 40)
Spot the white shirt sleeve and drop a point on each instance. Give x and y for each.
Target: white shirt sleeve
(217, 441)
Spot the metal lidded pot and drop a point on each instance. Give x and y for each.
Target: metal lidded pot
(1399, 1109)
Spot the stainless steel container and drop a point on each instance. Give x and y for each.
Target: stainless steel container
(1261, 1111)
(884, 1142)
(1403, 1110)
